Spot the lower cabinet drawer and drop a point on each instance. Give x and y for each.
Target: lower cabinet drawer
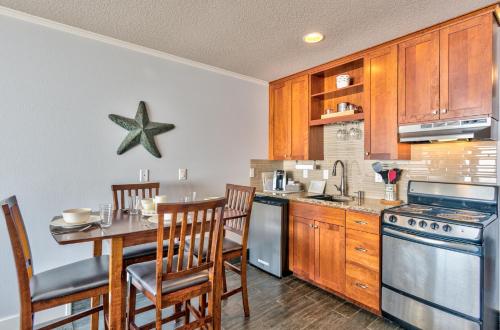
(363, 285)
(363, 249)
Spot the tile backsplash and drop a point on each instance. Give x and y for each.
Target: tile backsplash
(465, 162)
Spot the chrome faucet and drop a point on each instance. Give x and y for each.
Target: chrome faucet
(342, 189)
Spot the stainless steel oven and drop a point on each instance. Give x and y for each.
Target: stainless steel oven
(445, 273)
(440, 257)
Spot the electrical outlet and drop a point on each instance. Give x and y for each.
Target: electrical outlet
(143, 175)
(252, 172)
(183, 174)
(325, 174)
(378, 178)
(305, 174)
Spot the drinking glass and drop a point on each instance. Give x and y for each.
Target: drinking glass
(342, 132)
(106, 212)
(134, 203)
(355, 132)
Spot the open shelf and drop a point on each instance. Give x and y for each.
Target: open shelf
(355, 88)
(325, 94)
(355, 117)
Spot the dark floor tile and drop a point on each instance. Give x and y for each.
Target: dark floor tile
(288, 303)
(347, 309)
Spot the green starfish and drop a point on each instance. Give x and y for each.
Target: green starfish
(141, 130)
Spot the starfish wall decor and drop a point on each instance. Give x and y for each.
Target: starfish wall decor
(141, 130)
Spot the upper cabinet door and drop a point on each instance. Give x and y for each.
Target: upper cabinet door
(466, 68)
(418, 84)
(279, 121)
(299, 117)
(381, 106)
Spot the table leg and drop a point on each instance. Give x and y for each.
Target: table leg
(117, 286)
(94, 323)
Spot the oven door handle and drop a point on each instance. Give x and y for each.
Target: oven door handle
(462, 247)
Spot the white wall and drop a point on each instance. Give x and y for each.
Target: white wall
(58, 148)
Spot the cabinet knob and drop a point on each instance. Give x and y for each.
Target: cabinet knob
(443, 111)
(435, 112)
(311, 225)
(360, 249)
(367, 153)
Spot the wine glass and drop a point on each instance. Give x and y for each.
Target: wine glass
(342, 132)
(355, 132)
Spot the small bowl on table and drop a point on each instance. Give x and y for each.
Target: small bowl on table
(77, 216)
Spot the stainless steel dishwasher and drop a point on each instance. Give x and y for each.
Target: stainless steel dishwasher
(267, 240)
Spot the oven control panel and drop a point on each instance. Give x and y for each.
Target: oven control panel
(434, 227)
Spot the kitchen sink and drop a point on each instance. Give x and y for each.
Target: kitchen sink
(332, 198)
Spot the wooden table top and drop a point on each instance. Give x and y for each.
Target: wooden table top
(123, 225)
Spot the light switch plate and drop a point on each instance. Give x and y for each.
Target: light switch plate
(325, 174)
(143, 175)
(378, 178)
(252, 172)
(305, 174)
(183, 174)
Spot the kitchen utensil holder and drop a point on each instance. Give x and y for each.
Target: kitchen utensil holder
(391, 192)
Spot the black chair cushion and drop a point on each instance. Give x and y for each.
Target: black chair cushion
(142, 250)
(70, 279)
(145, 274)
(227, 246)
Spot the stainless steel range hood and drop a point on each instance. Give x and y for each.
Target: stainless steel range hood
(483, 128)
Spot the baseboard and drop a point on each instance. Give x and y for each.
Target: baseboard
(12, 322)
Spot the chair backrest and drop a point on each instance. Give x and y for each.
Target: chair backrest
(20, 248)
(202, 220)
(239, 198)
(144, 190)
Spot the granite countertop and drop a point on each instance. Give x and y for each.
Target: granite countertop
(368, 205)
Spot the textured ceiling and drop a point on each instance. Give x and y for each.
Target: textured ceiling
(258, 38)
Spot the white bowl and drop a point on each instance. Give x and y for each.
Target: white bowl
(160, 199)
(148, 204)
(81, 215)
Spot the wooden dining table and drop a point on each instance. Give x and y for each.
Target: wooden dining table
(129, 230)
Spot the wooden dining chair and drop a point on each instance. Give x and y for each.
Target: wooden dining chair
(141, 252)
(178, 278)
(66, 284)
(238, 198)
(143, 190)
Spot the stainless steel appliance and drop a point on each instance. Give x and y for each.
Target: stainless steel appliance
(279, 180)
(483, 128)
(439, 257)
(267, 238)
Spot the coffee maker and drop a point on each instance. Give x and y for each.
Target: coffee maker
(279, 180)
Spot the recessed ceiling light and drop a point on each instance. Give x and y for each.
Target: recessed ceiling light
(312, 38)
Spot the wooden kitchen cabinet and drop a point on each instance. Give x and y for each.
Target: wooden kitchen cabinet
(329, 249)
(303, 247)
(466, 64)
(418, 84)
(448, 73)
(337, 250)
(279, 120)
(362, 283)
(317, 245)
(290, 136)
(381, 106)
